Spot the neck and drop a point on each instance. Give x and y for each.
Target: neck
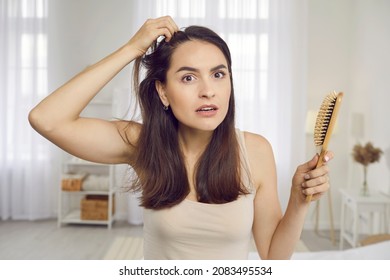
(193, 142)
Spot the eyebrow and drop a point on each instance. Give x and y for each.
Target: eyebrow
(192, 69)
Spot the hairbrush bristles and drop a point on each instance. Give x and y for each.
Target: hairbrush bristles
(325, 122)
(323, 118)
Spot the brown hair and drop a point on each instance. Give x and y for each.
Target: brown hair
(159, 163)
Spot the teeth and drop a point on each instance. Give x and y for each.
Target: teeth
(206, 109)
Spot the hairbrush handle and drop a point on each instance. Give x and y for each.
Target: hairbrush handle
(321, 159)
(330, 124)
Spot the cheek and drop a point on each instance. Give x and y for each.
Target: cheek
(173, 92)
(178, 100)
(179, 95)
(227, 95)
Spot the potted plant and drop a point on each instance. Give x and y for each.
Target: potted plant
(366, 155)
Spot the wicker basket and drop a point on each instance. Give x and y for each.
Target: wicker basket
(95, 207)
(72, 182)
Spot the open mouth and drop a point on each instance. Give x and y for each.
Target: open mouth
(207, 108)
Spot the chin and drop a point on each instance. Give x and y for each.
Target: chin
(208, 127)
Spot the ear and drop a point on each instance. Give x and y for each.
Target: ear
(160, 88)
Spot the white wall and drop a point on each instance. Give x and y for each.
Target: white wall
(370, 71)
(347, 51)
(81, 33)
(330, 25)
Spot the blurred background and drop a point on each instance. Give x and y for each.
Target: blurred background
(287, 55)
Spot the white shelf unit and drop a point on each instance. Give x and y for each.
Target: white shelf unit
(69, 209)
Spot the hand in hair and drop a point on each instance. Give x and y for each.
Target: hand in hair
(150, 31)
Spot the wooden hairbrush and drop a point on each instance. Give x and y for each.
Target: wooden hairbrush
(325, 122)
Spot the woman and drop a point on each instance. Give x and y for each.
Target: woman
(206, 187)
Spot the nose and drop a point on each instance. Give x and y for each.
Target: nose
(206, 90)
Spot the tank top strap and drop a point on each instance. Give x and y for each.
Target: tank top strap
(246, 171)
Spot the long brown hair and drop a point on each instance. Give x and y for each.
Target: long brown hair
(162, 176)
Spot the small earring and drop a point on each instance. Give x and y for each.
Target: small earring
(165, 107)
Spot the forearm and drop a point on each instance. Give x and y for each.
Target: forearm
(288, 231)
(67, 102)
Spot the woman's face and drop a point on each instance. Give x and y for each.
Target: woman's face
(197, 87)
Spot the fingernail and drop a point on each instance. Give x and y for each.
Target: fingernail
(326, 158)
(307, 176)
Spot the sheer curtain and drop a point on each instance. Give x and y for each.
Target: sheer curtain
(28, 181)
(267, 39)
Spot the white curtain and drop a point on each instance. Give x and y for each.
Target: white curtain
(267, 39)
(29, 176)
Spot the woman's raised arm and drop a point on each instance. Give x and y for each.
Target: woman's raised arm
(57, 117)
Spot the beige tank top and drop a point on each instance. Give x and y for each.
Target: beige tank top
(194, 230)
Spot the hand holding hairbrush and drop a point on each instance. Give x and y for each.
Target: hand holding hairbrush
(325, 123)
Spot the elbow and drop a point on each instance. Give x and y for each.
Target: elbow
(39, 122)
(33, 118)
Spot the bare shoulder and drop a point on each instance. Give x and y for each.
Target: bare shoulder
(261, 158)
(257, 144)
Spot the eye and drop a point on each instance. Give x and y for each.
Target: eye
(188, 78)
(219, 75)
